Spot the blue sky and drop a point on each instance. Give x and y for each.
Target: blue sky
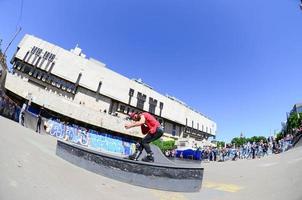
(238, 62)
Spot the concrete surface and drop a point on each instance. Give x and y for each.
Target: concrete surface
(30, 169)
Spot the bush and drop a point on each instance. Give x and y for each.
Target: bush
(164, 145)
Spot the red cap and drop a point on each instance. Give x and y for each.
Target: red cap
(132, 115)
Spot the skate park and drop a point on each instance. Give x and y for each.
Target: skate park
(221, 78)
(31, 169)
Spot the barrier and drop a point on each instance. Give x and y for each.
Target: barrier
(90, 138)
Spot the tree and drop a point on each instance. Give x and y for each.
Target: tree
(164, 145)
(279, 136)
(294, 121)
(220, 143)
(239, 141)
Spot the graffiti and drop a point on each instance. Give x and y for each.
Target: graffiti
(105, 142)
(99, 141)
(57, 129)
(76, 135)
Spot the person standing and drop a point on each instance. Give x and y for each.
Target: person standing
(149, 127)
(21, 115)
(39, 121)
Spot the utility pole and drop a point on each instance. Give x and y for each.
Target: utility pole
(17, 32)
(2, 58)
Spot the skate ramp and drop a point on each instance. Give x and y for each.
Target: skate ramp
(170, 177)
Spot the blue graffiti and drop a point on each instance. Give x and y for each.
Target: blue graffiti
(92, 139)
(57, 130)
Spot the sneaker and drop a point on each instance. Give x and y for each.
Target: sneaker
(132, 157)
(148, 158)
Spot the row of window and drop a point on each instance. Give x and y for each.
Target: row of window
(47, 55)
(204, 129)
(45, 77)
(141, 99)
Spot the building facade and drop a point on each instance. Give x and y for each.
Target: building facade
(68, 83)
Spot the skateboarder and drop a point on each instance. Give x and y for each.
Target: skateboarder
(149, 127)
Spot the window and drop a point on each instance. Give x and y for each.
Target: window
(197, 126)
(122, 108)
(174, 130)
(186, 121)
(33, 50)
(131, 92)
(152, 105)
(141, 98)
(161, 106)
(152, 109)
(46, 55)
(51, 57)
(192, 124)
(38, 52)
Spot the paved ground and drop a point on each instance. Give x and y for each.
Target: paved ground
(29, 169)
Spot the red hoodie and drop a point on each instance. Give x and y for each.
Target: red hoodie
(150, 125)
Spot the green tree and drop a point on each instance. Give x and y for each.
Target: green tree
(164, 145)
(220, 143)
(279, 136)
(294, 121)
(239, 141)
(256, 139)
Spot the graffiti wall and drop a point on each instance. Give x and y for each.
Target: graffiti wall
(90, 138)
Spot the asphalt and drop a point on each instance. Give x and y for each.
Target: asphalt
(30, 169)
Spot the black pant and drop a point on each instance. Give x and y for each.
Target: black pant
(38, 128)
(150, 138)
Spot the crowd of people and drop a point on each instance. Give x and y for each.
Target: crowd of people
(8, 108)
(248, 150)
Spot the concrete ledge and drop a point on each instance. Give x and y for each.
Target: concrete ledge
(180, 178)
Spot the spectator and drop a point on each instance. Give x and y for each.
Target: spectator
(21, 116)
(39, 121)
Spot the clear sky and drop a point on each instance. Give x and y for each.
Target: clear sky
(238, 62)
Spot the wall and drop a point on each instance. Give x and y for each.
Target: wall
(99, 141)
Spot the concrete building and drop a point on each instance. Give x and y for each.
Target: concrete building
(84, 89)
